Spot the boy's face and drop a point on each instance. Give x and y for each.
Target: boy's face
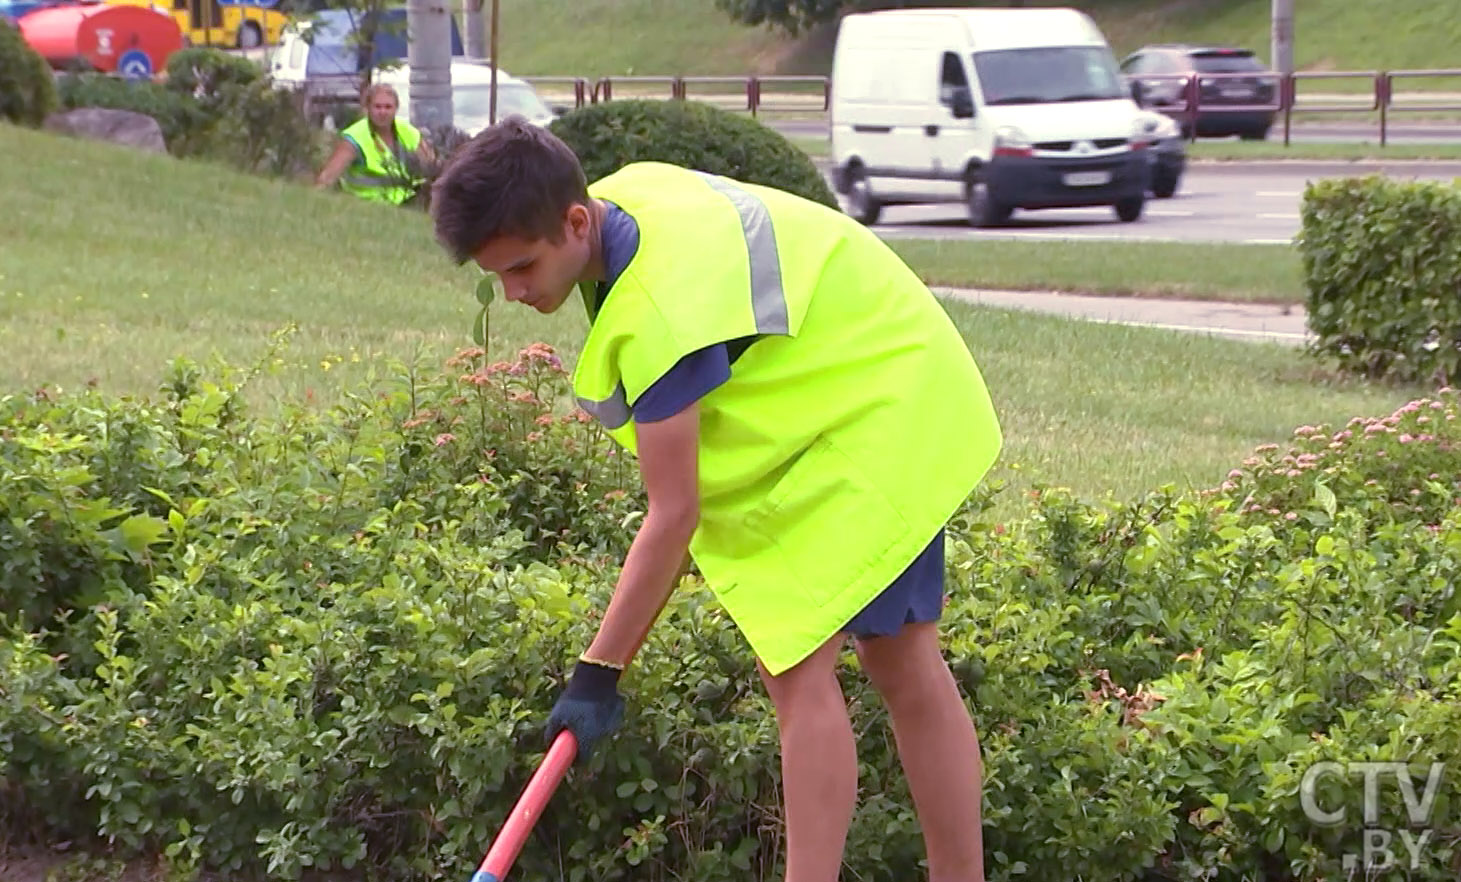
(536, 271)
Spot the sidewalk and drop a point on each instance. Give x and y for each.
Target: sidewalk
(1255, 322)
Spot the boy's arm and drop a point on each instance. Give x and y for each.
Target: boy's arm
(669, 465)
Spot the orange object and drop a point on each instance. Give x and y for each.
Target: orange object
(134, 41)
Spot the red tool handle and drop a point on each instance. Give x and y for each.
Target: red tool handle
(530, 805)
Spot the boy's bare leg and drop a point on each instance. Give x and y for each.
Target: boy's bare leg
(818, 763)
(937, 746)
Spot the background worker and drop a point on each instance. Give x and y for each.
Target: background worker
(379, 157)
(806, 418)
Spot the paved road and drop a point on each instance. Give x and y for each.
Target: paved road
(1216, 203)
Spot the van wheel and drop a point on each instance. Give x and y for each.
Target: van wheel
(984, 211)
(1164, 184)
(1130, 208)
(250, 36)
(862, 204)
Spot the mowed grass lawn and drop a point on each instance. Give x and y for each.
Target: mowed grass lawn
(111, 262)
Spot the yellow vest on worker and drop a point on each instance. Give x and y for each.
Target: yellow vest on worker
(379, 175)
(846, 436)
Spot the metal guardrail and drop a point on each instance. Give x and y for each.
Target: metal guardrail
(813, 94)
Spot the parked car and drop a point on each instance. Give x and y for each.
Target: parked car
(471, 87)
(1159, 77)
(1168, 151)
(1000, 109)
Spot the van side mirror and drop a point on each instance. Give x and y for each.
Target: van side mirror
(962, 103)
(1136, 92)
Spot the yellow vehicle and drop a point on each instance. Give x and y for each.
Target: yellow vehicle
(224, 23)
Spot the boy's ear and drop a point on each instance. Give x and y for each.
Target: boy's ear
(579, 219)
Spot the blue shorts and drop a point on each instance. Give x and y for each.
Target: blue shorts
(915, 596)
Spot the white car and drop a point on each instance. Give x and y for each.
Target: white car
(471, 84)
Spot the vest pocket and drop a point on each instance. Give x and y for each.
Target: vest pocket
(826, 525)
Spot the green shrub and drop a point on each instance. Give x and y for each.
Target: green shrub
(264, 130)
(693, 134)
(1381, 257)
(27, 89)
(208, 74)
(327, 640)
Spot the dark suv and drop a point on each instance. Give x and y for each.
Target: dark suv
(1158, 77)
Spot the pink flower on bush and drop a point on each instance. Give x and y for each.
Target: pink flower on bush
(1291, 516)
(535, 436)
(444, 439)
(544, 419)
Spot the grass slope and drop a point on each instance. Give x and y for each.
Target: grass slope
(594, 38)
(112, 261)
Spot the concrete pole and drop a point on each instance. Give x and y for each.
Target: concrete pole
(476, 37)
(1283, 36)
(492, 95)
(428, 52)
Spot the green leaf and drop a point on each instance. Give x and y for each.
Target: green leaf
(487, 289)
(479, 328)
(140, 531)
(1325, 498)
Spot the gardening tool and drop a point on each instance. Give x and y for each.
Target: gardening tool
(530, 805)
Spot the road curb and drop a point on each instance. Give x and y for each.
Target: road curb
(1355, 166)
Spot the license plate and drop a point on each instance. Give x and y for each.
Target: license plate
(1237, 93)
(1087, 179)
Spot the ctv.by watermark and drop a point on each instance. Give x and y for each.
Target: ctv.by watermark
(1383, 846)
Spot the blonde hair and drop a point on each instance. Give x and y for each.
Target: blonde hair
(375, 89)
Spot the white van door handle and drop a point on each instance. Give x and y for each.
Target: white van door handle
(931, 131)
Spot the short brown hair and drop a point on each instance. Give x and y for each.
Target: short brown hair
(513, 179)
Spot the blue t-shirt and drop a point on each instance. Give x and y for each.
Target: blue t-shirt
(916, 595)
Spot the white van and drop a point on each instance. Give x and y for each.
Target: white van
(996, 108)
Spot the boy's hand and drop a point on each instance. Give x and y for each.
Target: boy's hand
(590, 707)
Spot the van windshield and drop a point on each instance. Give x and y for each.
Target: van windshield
(1048, 74)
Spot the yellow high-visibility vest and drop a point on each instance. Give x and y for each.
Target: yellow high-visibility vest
(846, 436)
(379, 175)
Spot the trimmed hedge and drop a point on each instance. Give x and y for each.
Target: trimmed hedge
(692, 134)
(1382, 259)
(325, 642)
(27, 89)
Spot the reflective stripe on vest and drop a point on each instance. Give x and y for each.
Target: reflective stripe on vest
(768, 298)
(613, 411)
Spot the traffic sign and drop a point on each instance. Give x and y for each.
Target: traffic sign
(135, 65)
